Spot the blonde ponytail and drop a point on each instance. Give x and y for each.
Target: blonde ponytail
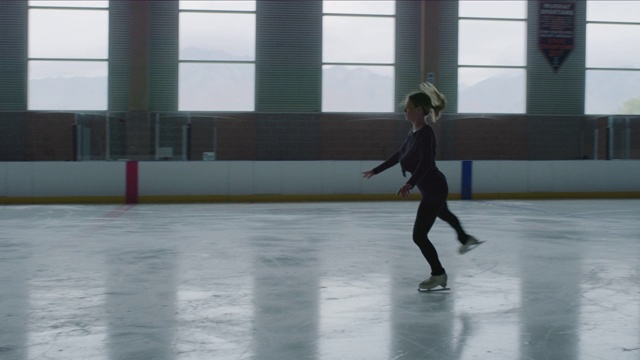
(438, 101)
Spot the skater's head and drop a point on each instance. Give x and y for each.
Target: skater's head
(428, 99)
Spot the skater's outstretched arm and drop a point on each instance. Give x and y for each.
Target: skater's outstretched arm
(368, 174)
(391, 161)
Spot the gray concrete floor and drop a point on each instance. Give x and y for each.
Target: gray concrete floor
(554, 280)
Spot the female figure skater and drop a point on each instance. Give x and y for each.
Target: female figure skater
(417, 156)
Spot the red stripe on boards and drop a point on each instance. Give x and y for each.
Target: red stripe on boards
(132, 182)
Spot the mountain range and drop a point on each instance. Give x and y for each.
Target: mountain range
(345, 89)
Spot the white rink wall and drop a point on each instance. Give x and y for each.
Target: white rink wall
(564, 178)
(158, 181)
(61, 179)
(274, 178)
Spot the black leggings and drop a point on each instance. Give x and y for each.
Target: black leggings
(434, 206)
(447, 216)
(426, 216)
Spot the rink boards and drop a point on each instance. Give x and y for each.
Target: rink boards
(272, 181)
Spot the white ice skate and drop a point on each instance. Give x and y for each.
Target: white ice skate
(434, 281)
(471, 244)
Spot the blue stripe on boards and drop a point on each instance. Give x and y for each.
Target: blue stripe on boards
(465, 192)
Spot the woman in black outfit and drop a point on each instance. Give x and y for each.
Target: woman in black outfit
(417, 156)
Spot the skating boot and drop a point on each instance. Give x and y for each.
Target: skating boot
(434, 281)
(469, 245)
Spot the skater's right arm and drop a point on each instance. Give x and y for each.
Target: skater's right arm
(391, 161)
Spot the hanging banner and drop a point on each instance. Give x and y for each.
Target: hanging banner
(556, 30)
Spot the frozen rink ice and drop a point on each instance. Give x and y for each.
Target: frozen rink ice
(554, 280)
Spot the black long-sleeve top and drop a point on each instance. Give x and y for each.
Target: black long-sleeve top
(416, 155)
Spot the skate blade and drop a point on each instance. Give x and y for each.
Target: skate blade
(471, 247)
(434, 290)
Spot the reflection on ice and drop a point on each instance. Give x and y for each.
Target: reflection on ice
(214, 323)
(610, 310)
(487, 311)
(354, 317)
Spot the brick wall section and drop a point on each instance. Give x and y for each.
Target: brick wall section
(477, 138)
(230, 136)
(347, 137)
(236, 137)
(551, 138)
(12, 134)
(326, 136)
(287, 137)
(634, 129)
(49, 136)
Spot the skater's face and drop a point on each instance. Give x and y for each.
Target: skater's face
(413, 113)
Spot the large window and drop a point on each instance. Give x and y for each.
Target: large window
(68, 55)
(613, 57)
(492, 56)
(358, 56)
(217, 56)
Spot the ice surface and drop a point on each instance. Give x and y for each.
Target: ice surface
(555, 280)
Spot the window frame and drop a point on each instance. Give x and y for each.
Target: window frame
(391, 65)
(613, 69)
(523, 67)
(213, 62)
(102, 60)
